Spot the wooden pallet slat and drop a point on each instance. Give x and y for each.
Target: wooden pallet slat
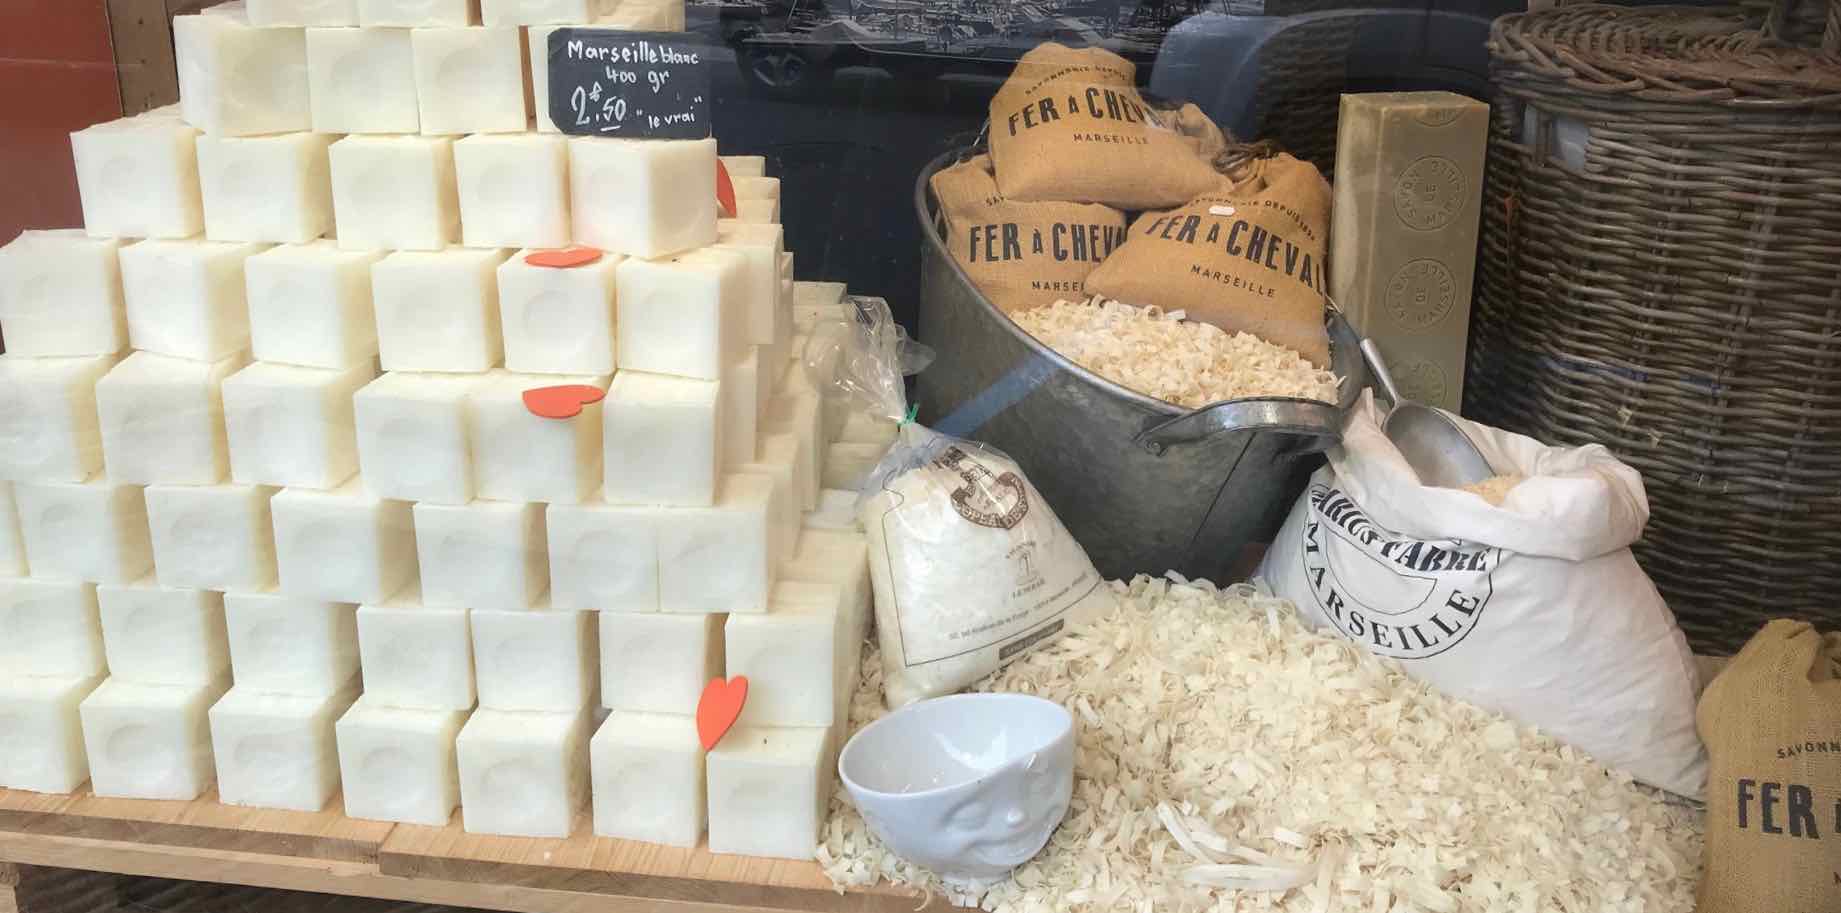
(204, 824)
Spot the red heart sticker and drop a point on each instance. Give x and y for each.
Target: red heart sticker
(720, 707)
(565, 258)
(725, 190)
(565, 401)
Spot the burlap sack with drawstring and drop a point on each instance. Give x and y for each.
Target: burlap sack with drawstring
(1247, 256)
(1022, 255)
(1772, 724)
(1070, 125)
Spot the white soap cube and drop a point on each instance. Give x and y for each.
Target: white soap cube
(643, 197)
(868, 428)
(150, 741)
(514, 190)
(778, 460)
(43, 750)
(836, 510)
(545, 660)
(472, 80)
(289, 425)
(543, 12)
(523, 774)
(682, 315)
(521, 456)
(283, 645)
(648, 779)
(344, 545)
(741, 413)
(840, 557)
(215, 537)
(656, 663)
(395, 192)
(745, 166)
(399, 765)
(487, 554)
(235, 80)
(761, 188)
(364, 81)
(94, 531)
(786, 267)
(663, 440)
(277, 750)
(558, 321)
(163, 419)
(603, 557)
(418, 13)
(187, 298)
(49, 429)
(648, 16)
(790, 655)
(848, 466)
(161, 635)
(802, 414)
(49, 627)
(12, 542)
(416, 656)
(762, 246)
(759, 211)
(719, 559)
(138, 178)
(60, 294)
(266, 188)
(768, 790)
(412, 437)
(283, 13)
(438, 311)
(814, 301)
(310, 305)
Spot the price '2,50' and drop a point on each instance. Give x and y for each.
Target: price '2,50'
(613, 110)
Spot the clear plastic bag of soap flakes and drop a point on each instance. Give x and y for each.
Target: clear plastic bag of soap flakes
(970, 565)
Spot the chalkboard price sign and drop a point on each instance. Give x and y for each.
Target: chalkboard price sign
(648, 85)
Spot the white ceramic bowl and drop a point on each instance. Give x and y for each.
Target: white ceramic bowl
(970, 785)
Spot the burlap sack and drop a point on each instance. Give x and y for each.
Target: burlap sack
(1246, 257)
(1070, 125)
(1022, 255)
(1772, 724)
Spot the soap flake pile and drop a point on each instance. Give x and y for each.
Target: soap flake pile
(1495, 489)
(1231, 760)
(1162, 355)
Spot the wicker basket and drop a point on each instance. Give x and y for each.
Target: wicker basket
(1675, 292)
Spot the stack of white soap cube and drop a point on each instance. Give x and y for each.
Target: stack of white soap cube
(205, 478)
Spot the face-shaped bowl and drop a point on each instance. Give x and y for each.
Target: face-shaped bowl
(970, 786)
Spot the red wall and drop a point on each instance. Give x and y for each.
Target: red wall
(57, 74)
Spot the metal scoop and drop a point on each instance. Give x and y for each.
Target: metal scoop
(1438, 450)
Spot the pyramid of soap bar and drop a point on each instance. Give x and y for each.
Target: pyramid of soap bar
(304, 408)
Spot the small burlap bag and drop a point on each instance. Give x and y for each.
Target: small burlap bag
(1772, 724)
(1071, 125)
(1248, 256)
(1022, 255)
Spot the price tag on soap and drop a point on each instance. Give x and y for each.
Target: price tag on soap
(645, 85)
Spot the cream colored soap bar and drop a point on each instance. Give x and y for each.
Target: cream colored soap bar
(1409, 181)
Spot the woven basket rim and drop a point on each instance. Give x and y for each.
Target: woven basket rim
(1697, 55)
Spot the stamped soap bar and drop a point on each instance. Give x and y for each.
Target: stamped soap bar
(1409, 180)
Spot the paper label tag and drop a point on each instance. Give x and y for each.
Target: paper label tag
(648, 85)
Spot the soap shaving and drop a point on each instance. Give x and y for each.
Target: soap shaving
(1162, 355)
(1494, 489)
(1231, 760)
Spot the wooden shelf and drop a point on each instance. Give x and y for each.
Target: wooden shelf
(328, 853)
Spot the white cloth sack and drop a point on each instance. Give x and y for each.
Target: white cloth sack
(1535, 609)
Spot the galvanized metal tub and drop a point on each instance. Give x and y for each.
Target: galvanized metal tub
(1144, 485)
